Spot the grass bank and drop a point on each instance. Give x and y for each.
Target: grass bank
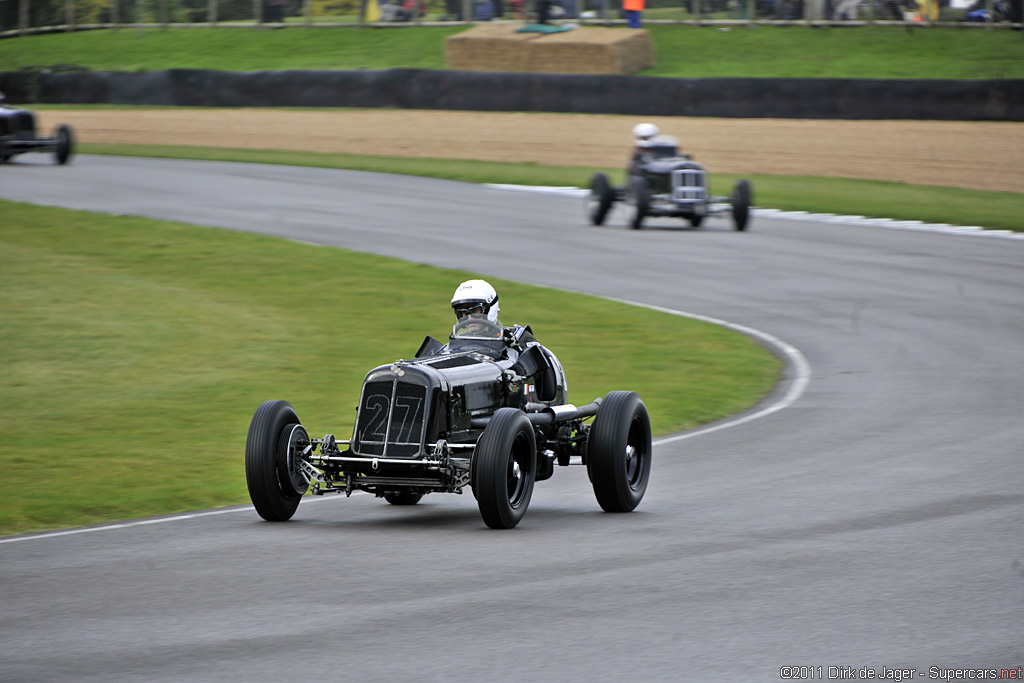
(134, 352)
(681, 51)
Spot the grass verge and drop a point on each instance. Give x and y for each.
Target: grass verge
(134, 352)
(681, 51)
(1000, 210)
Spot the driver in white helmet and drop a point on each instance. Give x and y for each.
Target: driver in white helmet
(475, 303)
(643, 134)
(650, 143)
(476, 308)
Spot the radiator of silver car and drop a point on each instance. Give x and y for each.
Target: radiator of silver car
(689, 185)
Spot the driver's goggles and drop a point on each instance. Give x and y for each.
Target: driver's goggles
(463, 311)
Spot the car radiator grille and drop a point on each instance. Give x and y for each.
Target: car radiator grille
(392, 418)
(688, 185)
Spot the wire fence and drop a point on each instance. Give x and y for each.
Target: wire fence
(21, 17)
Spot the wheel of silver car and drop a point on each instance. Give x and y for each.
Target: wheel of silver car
(402, 497)
(619, 452)
(600, 199)
(65, 144)
(273, 451)
(505, 468)
(639, 201)
(741, 199)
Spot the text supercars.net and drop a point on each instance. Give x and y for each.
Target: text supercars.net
(884, 673)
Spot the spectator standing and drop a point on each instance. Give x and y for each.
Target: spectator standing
(634, 10)
(846, 10)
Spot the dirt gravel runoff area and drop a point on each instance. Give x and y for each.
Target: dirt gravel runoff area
(971, 155)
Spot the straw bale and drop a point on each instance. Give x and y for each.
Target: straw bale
(489, 47)
(592, 50)
(587, 50)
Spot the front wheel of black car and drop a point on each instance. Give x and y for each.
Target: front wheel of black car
(65, 144)
(600, 199)
(273, 449)
(619, 452)
(742, 197)
(505, 466)
(639, 202)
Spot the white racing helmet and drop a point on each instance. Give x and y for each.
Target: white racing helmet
(475, 296)
(645, 131)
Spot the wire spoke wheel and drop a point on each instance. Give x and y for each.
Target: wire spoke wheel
(505, 468)
(619, 452)
(274, 447)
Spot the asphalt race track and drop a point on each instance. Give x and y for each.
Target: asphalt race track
(876, 521)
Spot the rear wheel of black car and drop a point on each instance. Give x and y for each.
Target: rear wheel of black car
(402, 497)
(65, 144)
(273, 449)
(742, 197)
(638, 203)
(505, 466)
(600, 199)
(619, 452)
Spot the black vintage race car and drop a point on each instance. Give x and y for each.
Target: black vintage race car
(487, 411)
(18, 135)
(663, 182)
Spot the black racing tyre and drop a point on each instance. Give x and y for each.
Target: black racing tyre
(600, 199)
(65, 144)
(402, 497)
(695, 220)
(505, 462)
(741, 199)
(639, 202)
(619, 452)
(271, 448)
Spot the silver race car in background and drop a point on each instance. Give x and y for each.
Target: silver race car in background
(663, 182)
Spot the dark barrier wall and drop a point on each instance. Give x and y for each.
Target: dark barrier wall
(826, 98)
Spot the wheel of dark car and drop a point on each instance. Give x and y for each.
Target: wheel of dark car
(273, 449)
(402, 497)
(696, 220)
(600, 199)
(505, 468)
(639, 202)
(65, 144)
(619, 452)
(742, 197)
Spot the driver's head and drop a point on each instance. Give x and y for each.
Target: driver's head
(643, 132)
(475, 298)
